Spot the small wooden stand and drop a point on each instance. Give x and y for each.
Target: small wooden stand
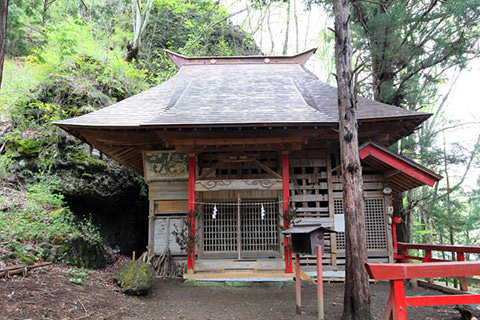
(298, 284)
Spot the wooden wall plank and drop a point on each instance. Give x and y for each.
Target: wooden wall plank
(171, 206)
(168, 190)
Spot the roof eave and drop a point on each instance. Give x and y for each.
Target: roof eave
(181, 60)
(421, 117)
(400, 163)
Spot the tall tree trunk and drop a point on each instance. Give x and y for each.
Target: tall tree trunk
(398, 211)
(3, 34)
(409, 217)
(140, 21)
(44, 15)
(295, 18)
(356, 299)
(287, 29)
(307, 29)
(270, 33)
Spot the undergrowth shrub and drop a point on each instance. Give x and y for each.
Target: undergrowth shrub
(42, 216)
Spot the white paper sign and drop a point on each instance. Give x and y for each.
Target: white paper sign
(339, 222)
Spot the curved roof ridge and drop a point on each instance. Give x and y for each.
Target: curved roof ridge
(182, 60)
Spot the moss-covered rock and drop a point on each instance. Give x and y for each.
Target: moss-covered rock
(27, 258)
(79, 252)
(134, 277)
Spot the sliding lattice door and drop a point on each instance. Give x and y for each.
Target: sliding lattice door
(259, 227)
(374, 224)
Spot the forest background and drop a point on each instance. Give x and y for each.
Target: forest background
(67, 58)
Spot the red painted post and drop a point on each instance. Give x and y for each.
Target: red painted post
(298, 284)
(399, 309)
(395, 221)
(286, 207)
(321, 315)
(463, 281)
(191, 213)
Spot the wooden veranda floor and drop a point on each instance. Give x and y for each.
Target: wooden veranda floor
(245, 269)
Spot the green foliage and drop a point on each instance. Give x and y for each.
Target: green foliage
(407, 45)
(77, 275)
(65, 60)
(76, 280)
(404, 47)
(191, 28)
(42, 216)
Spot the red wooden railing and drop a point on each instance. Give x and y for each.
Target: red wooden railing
(400, 252)
(458, 254)
(397, 272)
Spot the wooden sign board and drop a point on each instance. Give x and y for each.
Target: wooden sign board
(171, 206)
(165, 165)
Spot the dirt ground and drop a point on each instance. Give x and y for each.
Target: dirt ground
(47, 293)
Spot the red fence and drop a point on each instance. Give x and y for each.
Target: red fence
(397, 272)
(457, 253)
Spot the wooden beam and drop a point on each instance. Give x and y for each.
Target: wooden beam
(246, 133)
(266, 168)
(210, 170)
(391, 173)
(235, 141)
(247, 147)
(238, 184)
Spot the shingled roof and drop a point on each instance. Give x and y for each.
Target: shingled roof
(216, 91)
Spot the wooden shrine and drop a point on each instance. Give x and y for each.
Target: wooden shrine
(236, 148)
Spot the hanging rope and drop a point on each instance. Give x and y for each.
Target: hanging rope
(234, 204)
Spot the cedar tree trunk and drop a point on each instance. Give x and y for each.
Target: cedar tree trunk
(356, 300)
(3, 34)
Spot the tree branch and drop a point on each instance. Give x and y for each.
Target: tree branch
(209, 27)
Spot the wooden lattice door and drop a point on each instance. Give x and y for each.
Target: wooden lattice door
(258, 225)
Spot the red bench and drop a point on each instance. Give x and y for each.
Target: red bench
(396, 273)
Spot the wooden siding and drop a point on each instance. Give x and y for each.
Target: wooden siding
(168, 210)
(168, 190)
(316, 195)
(163, 237)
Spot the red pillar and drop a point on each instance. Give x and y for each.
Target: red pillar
(395, 221)
(286, 207)
(191, 213)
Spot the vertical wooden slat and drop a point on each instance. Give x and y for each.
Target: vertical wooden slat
(151, 220)
(331, 213)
